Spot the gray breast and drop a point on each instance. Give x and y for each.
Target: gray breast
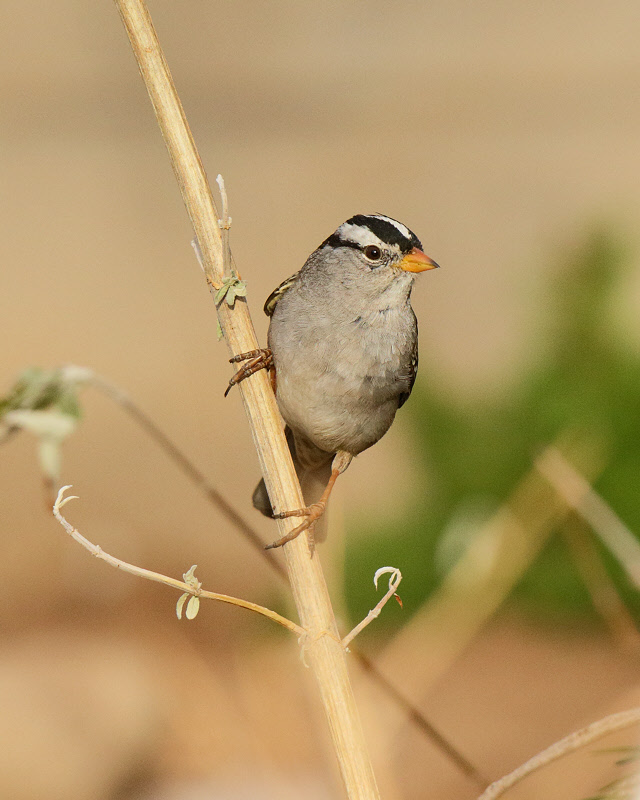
(342, 368)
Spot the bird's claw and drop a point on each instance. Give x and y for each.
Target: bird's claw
(255, 360)
(312, 513)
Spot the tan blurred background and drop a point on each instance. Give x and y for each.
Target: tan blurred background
(496, 131)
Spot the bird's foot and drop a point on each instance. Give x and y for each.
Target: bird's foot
(312, 513)
(341, 461)
(255, 360)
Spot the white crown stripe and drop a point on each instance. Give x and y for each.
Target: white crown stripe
(358, 234)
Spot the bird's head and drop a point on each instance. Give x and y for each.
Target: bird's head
(380, 242)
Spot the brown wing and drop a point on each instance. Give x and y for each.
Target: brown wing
(276, 294)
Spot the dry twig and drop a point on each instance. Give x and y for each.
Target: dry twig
(571, 743)
(578, 494)
(190, 587)
(604, 594)
(394, 582)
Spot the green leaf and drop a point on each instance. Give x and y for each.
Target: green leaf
(231, 288)
(220, 294)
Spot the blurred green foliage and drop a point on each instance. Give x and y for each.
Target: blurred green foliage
(472, 457)
(38, 389)
(45, 403)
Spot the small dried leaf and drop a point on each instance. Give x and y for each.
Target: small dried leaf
(181, 601)
(240, 288)
(220, 294)
(395, 574)
(190, 578)
(231, 288)
(190, 573)
(193, 606)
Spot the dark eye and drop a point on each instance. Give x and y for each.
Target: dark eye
(373, 253)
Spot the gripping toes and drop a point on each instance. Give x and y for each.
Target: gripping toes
(255, 360)
(312, 513)
(299, 512)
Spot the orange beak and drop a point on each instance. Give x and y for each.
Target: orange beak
(416, 261)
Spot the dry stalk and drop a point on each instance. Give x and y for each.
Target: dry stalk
(192, 587)
(323, 650)
(606, 599)
(578, 494)
(571, 743)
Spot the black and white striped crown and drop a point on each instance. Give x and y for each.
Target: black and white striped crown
(367, 229)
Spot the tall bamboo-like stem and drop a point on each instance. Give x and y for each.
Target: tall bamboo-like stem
(323, 651)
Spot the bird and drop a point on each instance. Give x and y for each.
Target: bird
(342, 353)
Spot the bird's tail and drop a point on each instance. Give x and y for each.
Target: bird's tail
(312, 481)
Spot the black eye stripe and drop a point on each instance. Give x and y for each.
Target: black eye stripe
(337, 241)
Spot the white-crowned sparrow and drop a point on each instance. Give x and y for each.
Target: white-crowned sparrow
(343, 344)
